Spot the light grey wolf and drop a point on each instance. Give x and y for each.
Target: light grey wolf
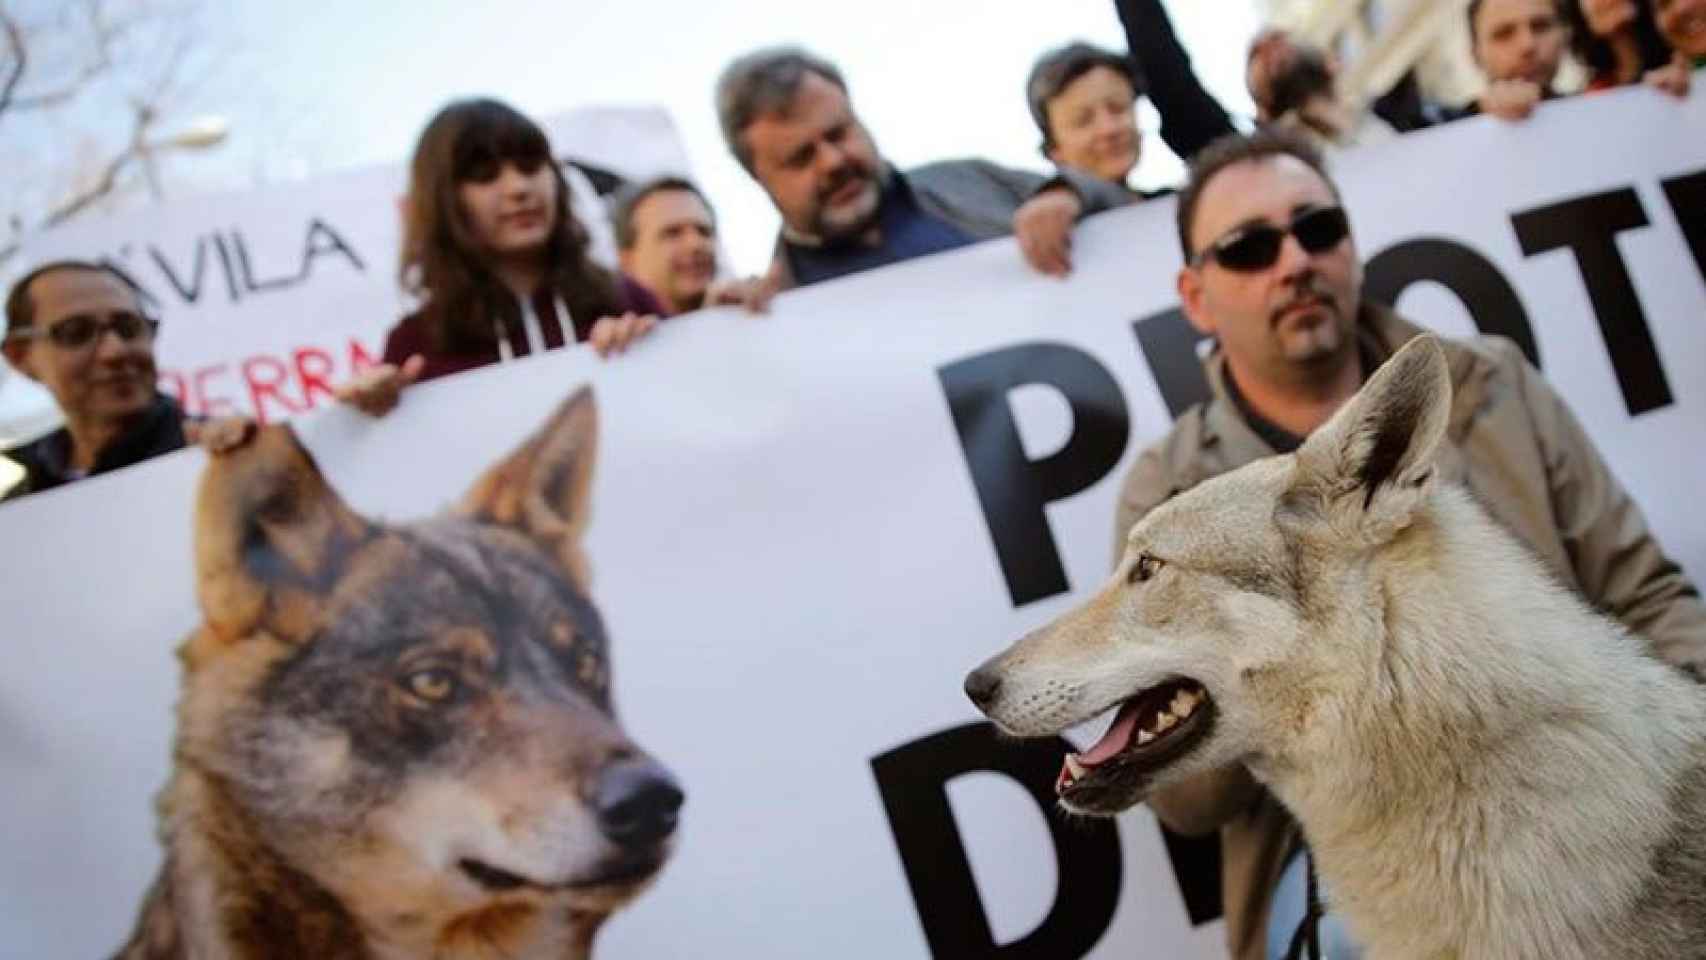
(1482, 765)
(398, 740)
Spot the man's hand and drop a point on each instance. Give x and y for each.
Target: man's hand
(1271, 54)
(752, 294)
(220, 436)
(1511, 99)
(1043, 226)
(1673, 78)
(614, 335)
(376, 392)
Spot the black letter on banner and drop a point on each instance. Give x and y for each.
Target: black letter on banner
(1687, 196)
(323, 240)
(1589, 227)
(1169, 345)
(1491, 301)
(913, 780)
(1014, 490)
(190, 293)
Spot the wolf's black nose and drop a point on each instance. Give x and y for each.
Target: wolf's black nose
(637, 802)
(982, 685)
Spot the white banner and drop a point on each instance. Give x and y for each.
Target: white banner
(270, 298)
(797, 558)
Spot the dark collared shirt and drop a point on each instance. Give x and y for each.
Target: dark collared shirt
(47, 460)
(1272, 434)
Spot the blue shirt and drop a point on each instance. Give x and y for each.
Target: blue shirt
(905, 231)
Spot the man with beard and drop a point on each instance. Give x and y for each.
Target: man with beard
(80, 330)
(1519, 45)
(666, 239)
(1272, 274)
(787, 118)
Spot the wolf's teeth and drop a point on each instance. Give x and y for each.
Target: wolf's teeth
(1074, 767)
(1144, 736)
(1165, 722)
(1183, 703)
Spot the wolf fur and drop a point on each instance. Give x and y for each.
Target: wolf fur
(1482, 765)
(398, 741)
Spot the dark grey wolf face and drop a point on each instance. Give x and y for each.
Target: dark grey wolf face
(419, 717)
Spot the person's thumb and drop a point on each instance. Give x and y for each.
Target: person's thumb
(411, 370)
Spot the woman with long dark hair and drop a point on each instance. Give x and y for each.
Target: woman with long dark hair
(496, 257)
(1619, 43)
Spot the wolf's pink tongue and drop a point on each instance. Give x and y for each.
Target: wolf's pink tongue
(1115, 740)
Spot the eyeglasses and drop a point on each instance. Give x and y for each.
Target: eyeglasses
(1253, 248)
(82, 329)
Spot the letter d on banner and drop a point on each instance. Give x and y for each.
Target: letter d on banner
(1013, 489)
(913, 779)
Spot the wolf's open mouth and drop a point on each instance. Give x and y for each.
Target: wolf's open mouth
(497, 880)
(1150, 730)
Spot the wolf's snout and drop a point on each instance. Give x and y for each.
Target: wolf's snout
(637, 803)
(982, 686)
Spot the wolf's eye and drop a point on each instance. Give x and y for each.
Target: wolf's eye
(434, 685)
(1145, 567)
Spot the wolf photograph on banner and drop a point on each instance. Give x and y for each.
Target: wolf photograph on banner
(399, 740)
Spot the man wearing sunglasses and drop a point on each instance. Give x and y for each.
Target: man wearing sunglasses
(79, 329)
(1272, 275)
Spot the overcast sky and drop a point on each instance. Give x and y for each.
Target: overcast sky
(315, 86)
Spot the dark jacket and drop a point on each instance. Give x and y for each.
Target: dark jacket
(1513, 443)
(978, 198)
(412, 336)
(1190, 116)
(46, 460)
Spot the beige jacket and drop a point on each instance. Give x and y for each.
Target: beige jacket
(1518, 448)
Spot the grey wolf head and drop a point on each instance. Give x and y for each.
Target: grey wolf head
(414, 719)
(1236, 605)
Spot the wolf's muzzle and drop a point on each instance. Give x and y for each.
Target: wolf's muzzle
(982, 686)
(637, 803)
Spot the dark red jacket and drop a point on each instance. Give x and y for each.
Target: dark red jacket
(411, 336)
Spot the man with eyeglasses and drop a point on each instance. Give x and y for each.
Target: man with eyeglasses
(1272, 275)
(79, 329)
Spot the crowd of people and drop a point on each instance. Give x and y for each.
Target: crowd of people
(501, 269)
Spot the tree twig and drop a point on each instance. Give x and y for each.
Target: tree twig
(106, 35)
(20, 59)
(108, 180)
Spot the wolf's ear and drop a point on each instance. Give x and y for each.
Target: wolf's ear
(544, 488)
(1375, 457)
(271, 537)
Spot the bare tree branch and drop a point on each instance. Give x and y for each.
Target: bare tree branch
(106, 34)
(15, 242)
(136, 50)
(20, 59)
(108, 180)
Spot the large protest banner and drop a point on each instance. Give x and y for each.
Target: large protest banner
(799, 548)
(269, 299)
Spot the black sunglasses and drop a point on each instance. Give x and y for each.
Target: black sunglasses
(81, 329)
(1252, 248)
